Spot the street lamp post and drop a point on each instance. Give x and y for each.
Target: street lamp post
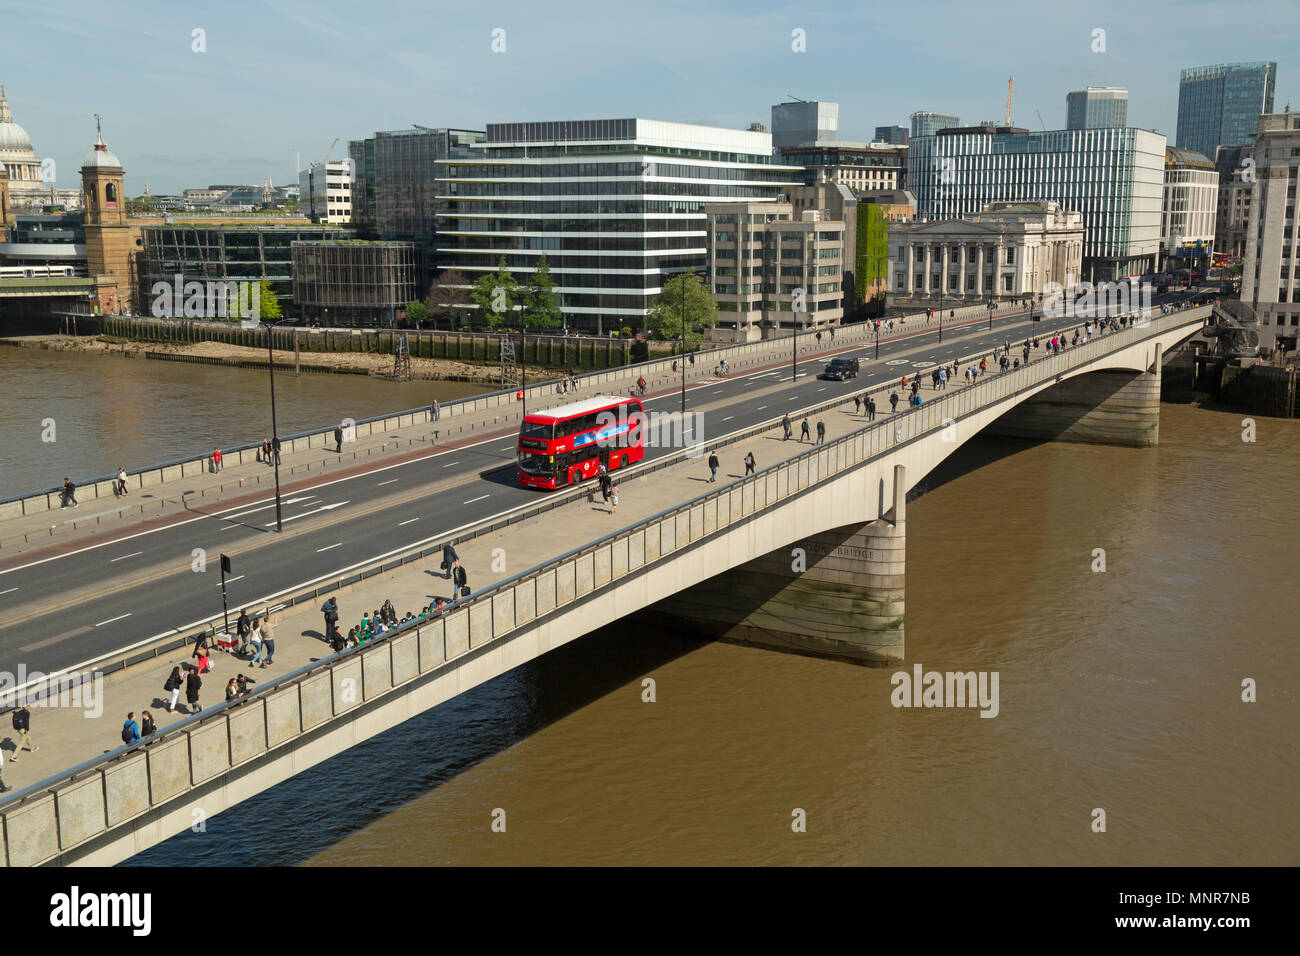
(275, 434)
(683, 338)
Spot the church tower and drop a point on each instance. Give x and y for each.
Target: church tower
(108, 240)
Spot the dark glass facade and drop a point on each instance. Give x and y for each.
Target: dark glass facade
(1221, 105)
(353, 282)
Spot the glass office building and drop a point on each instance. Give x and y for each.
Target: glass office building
(353, 282)
(926, 123)
(1221, 105)
(1097, 107)
(613, 204)
(1115, 177)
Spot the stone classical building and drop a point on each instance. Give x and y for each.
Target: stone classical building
(1269, 280)
(770, 272)
(1005, 251)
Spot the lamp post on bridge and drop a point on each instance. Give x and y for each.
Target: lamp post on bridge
(275, 435)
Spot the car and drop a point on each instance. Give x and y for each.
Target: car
(840, 369)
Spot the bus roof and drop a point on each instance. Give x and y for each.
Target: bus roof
(584, 407)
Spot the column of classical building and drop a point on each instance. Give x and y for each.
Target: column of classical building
(911, 268)
(979, 271)
(929, 264)
(943, 269)
(961, 271)
(999, 259)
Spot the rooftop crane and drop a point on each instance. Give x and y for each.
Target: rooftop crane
(330, 150)
(1010, 83)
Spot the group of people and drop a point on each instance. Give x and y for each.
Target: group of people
(568, 383)
(270, 450)
(256, 639)
(805, 431)
(749, 462)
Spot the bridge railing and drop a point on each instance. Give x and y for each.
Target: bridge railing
(58, 814)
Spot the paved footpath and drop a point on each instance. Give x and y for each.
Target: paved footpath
(31, 536)
(68, 736)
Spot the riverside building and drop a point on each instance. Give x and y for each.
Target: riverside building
(1269, 280)
(615, 206)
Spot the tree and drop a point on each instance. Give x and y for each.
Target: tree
(268, 303)
(447, 294)
(417, 312)
(541, 308)
(496, 294)
(666, 309)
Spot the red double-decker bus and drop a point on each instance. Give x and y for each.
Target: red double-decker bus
(565, 445)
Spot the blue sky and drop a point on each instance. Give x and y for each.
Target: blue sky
(285, 75)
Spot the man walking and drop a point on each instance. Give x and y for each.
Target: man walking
(857, 404)
(893, 403)
(749, 463)
(275, 448)
(435, 411)
(943, 378)
(22, 723)
(69, 493)
(450, 559)
(338, 439)
(785, 424)
(130, 729)
(606, 486)
(460, 583)
(121, 481)
(713, 466)
(268, 640)
(243, 627)
(871, 409)
(216, 461)
(331, 611)
(805, 432)
(821, 431)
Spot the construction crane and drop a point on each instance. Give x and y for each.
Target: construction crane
(1040, 120)
(1010, 83)
(336, 142)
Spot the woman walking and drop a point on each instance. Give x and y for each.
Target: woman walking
(174, 684)
(193, 684)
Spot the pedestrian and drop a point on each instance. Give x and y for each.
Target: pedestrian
(338, 439)
(173, 686)
(916, 386)
(449, 558)
(805, 431)
(749, 463)
(819, 338)
(331, 611)
(121, 481)
(435, 410)
(893, 403)
(857, 404)
(22, 721)
(243, 682)
(613, 499)
(275, 447)
(268, 640)
(460, 583)
(147, 725)
(243, 627)
(232, 690)
(69, 493)
(216, 461)
(3, 788)
(130, 729)
(713, 466)
(786, 426)
(943, 378)
(640, 384)
(871, 409)
(1025, 353)
(193, 684)
(606, 486)
(821, 431)
(255, 641)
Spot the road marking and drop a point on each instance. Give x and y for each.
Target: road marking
(450, 463)
(729, 418)
(821, 389)
(330, 548)
(761, 407)
(306, 513)
(290, 501)
(232, 580)
(388, 482)
(407, 521)
(472, 500)
(278, 607)
(231, 527)
(123, 558)
(112, 619)
(6, 592)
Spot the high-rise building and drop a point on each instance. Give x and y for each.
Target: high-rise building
(614, 205)
(325, 191)
(893, 135)
(1236, 168)
(805, 121)
(1269, 279)
(1115, 177)
(1097, 107)
(926, 123)
(1221, 105)
(1187, 216)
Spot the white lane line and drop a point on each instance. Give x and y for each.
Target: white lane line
(330, 548)
(232, 580)
(306, 513)
(761, 407)
(507, 448)
(278, 607)
(729, 418)
(407, 521)
(125, 556)
(821, 389)
(6, 592)
(231, 527)
(112, 619)
(388, 482)
(472, 500)
(450, 463)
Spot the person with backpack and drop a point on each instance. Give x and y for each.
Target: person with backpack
(130, 729)
(805, 432)
(193, 684)
(243, 627)
(173, 686)
(713, 466)
(22, 721)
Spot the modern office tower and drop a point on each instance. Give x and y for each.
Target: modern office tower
(614, 205)
(1221, 105)
(325, 191)
(860, 166)
(1269, 272)
(1187, 214)
(893, 135)
(926, 123)
(805, 121)
(1115, 177)
(1097, 107)
(770, 272)
(1236, 168)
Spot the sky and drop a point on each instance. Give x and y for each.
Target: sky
(265, 80)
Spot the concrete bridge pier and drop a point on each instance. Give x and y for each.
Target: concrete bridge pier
(1113, 407)
(835, 594)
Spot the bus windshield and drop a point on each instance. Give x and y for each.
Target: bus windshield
(535, 464)
(535, 430)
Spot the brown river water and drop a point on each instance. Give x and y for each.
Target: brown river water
(1118, 690)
